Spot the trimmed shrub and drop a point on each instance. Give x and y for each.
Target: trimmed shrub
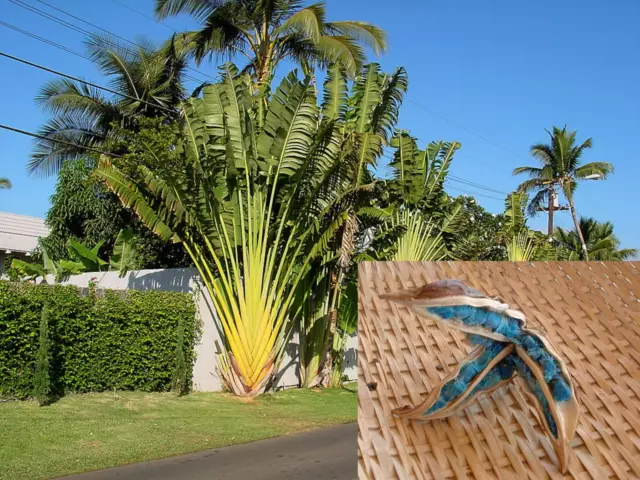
(41, 379)
(119, 340)
(180, 380)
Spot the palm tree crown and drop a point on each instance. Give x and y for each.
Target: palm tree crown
(4, 183)
(601, 242)
(269, 31)
(149, 83)
(560, 167)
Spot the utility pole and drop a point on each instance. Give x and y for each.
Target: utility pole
(554, 206)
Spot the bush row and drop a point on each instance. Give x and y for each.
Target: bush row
(115, 340)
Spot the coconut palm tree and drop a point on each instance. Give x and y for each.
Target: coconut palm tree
(148, 82)
(601, 242)
(4, 183)
(543, 186)
(561, 167)
(269, 31)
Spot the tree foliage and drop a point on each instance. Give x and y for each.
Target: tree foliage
(561, 167)
(85, 211)
(602, 244)
(268, 32)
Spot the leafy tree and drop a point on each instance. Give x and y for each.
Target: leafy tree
(149, 83)
(602, 244)
(83, 209)
(476, 234)
(561, 167)
(267, 32)
(4, 183)
(42, 379)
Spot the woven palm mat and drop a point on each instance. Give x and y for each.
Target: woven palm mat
(589, 311)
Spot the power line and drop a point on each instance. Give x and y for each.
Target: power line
(144, 15)
(114, 34)
(476, 185)
(475, 194)
(455, 178)
(85, 32)
(42, 39)
(462, 127)
(62, 142)
(91, 84)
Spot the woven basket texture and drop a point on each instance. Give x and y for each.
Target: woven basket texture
(590, 311)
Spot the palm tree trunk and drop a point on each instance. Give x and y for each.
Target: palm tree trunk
(585, 252)
(551, 209)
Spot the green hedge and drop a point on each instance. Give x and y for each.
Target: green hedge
(118, 340)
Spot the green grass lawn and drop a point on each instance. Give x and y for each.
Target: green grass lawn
(89, 432)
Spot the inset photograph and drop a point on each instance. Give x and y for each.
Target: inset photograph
(498, 370)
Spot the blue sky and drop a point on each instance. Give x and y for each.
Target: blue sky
(492, 75)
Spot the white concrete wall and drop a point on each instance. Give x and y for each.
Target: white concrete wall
(205, 378)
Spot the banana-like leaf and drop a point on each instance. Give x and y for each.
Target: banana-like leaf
(30, 271)
(123, 258)
(334, 104)
(87, 257)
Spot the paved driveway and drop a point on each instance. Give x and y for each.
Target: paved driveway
(323, 454)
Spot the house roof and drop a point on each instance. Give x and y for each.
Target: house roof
(589, 311)
(19, 233)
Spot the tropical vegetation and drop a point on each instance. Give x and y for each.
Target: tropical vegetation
(560, 169)
(4, 183)
(268, 32)
(602, 244)
(81, 259)
(271, 191)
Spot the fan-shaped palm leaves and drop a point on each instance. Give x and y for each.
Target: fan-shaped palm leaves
(267, 32)
(561, 167)
(601, 242)
(419, 175)
(148, 82)
(362, 122)
(233, 198)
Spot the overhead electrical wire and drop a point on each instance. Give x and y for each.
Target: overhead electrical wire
(42, 39)
(464, 181)
(62, 142)
(76, 79)
(96, 150)
(64, 23)
(85, 32)
(88, 33)
(462, 127)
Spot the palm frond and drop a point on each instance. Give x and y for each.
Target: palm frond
(199, 9)
(370, 35)
(307, 22)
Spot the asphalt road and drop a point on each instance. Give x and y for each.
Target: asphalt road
(323, 454)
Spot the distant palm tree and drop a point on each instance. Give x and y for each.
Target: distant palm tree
(560, 167)
(4, 183)
(601, 242)
(150, 85)
(269, 31)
